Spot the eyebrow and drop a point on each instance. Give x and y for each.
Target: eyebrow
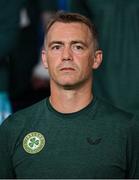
(55, 42)
(80, 42)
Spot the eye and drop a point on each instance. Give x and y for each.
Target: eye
(77, 47)
(55, 47)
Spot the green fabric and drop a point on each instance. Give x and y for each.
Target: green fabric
(117, 21)
(99, 141)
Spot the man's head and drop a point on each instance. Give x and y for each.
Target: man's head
(71, 50)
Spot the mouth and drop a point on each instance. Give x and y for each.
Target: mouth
(67, 69)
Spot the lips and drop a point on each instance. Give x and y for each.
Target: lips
(67, 69)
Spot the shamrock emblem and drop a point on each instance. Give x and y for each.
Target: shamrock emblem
(33, 142)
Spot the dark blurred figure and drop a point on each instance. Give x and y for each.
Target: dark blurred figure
(23, 88)
(118, 23)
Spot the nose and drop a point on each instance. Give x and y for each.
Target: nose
(66, 54)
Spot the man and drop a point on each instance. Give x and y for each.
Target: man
(72, 134)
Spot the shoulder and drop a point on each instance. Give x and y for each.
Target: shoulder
(24, 118)
(118, 123)
(114, 115)
(32, 110)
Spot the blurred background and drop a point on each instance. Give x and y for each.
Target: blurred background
(24, 81)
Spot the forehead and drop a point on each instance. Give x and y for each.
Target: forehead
(73, 30)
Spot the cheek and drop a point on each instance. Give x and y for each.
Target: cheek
(85, 62)
(53, 59)
(54, 55)
(52, 67)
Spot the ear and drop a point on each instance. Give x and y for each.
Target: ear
(97, 59)
(44, 58)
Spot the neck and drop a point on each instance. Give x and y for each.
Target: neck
(69, 101)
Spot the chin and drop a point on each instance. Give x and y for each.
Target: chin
(70, 83)
(71, 86)
(67, 81)
(67, 85)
